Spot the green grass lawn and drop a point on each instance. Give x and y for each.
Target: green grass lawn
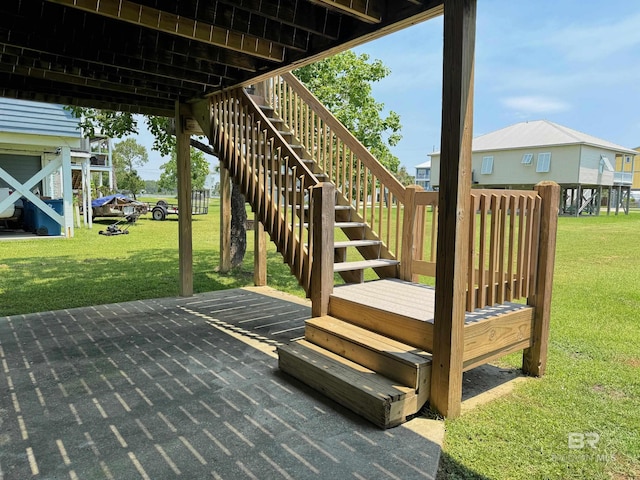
(593, 376)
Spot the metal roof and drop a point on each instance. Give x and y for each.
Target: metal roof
(540, 133)
(21, 116)
(142, 56)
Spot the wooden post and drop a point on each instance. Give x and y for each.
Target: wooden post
(259, 252)
(578, 199)
(323, 212)
(225, 220)
(454, 207)
(534, 359)
(184, 205)
(599, 201)
(408, 233)
(609, 200)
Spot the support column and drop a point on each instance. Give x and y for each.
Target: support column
(225, 220)
(534, 359)
(599, 201)
(259, 252)
(608, 200)
(323, 213)
(67, 193)
(185, 234)
(454, 199)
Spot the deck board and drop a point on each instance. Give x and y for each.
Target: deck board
(411, 300)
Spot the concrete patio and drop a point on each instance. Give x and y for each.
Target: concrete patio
(183, 387)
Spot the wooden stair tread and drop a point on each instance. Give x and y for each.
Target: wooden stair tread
(395, 360)
(359, 265)
(402, 352)
(357, 243)
(373, 396)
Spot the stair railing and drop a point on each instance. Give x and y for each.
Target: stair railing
(376, 196)
(271, 176)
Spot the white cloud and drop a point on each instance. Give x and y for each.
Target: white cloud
(595, 41)
(535, 104)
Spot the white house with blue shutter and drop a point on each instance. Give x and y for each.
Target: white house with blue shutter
(524, 154)
(43, 157)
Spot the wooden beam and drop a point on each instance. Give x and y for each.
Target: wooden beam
(149, 17)
(225, 220)
(534, 359)
(454, 214)
(322, 225)
(185, 244)
(260, 252)
(369, 11)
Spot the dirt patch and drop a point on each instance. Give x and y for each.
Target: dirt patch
(613, 393)
(632, 362)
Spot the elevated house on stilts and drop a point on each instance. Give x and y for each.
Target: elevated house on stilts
(383, 348)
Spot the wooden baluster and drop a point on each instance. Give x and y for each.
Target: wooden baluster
(528, 246)
(285, 209)
(521, 236)
(344, 169)
(338, 156)
(535, 247)
(511, 285)
(502, 249)
(399, 252)
(482, 291)
(494, 247)
(301, 239)
(358, 185)
(351, 180)
(365, 193)
(473, 231)
(325, 147)
(389, 211)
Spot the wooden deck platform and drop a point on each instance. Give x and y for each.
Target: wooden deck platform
(404, 311)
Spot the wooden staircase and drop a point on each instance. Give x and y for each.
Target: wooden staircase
(331, 208)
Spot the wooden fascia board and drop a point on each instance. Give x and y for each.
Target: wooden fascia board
(144, 16)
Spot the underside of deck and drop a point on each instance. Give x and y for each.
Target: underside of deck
(372, 353)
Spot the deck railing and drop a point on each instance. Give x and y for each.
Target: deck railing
(503, 244)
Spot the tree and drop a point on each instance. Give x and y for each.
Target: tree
(343, 83)
(127, 156)
(403, 176)
(199, 171)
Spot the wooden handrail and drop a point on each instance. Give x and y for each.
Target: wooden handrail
(347, 137)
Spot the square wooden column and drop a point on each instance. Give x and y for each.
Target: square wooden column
(454, 205)
(259, 252)
(185, 236)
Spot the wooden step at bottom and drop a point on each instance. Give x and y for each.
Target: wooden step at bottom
(362, 264)
(395, 360)
(357, 388)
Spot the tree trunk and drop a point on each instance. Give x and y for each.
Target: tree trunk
(238, 226)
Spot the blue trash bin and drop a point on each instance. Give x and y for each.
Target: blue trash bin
(27, 216)
(43, 223)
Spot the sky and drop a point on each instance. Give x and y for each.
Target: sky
(576, 63)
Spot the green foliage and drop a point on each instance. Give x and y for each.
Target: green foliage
(404, 178)
(343, 84)
(199, 171)
(127, 156)
(105, 122)
(151, 187)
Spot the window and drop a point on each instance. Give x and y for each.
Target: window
(544, 162)
(527, 159)
(627, 159)
(605, 164)
(487, 166)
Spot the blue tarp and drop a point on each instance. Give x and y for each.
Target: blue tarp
(98, 202)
